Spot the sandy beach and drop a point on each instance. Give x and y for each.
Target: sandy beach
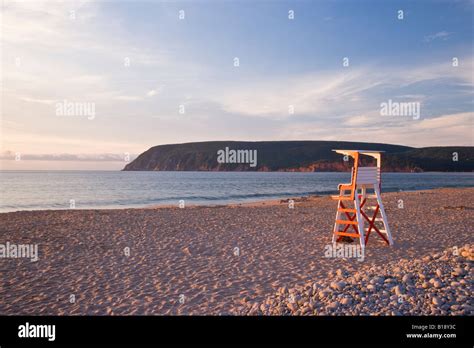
(207, 260)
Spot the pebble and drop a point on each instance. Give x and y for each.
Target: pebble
(292, 306)
(433, 291)
(398, 290)
(338, 285)
(346, 301)
(324, 293)
(407, 278)
(458, 271)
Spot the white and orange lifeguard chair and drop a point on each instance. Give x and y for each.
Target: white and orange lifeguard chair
(363, 216)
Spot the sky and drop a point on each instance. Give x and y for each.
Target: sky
(91, 84)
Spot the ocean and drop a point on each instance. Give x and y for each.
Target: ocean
(33, 190)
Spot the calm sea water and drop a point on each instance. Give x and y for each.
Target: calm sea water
(31, 190)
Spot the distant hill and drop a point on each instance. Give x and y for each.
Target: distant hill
(301, 156)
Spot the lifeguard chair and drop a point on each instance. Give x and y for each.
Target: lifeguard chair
(367, 214)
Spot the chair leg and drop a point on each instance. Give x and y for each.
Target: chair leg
(336, 225)
(360, 223)
(384, 215)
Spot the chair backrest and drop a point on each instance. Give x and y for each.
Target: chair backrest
(368, 175)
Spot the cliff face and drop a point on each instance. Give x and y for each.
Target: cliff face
(296, 156)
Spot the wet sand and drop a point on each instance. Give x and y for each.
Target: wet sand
(186, 261)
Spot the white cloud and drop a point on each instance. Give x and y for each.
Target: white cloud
(39, 101)
(47, 52)
(359, 120)
(446, 130)
(101, 157)
(19, 140)
(155, 91)
(131, 98)
(441, 35)
(336, 93)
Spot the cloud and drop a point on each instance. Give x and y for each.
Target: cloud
(341, 93)
(65, 59)
(441, 35)
(40, 101)
(360, 120)
(134, 98)
(104, 157)
(155, 91)
(310, 93)
(446, 130)
(128, 98)
(462, 120)
(68, 57)
(37, 141)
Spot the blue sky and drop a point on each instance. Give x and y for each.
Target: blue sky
(51, 55)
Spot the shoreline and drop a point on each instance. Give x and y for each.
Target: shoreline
(253, 203)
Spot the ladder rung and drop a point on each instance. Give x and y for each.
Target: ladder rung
(346, 222)
(342, 198)
(346, 210)
(381, 231)
(347, 234)
(370, 196)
